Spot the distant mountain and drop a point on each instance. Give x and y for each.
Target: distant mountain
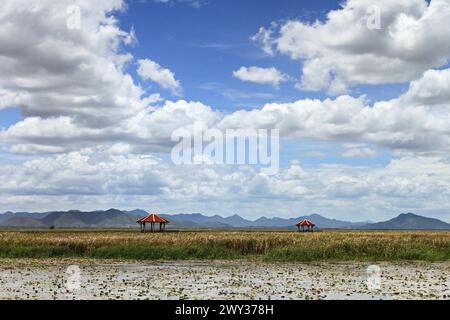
(9, 214)
(23, 222)
(111, 218)
(138, 213)
(409, 221)
(320, 221)
(114, 218)
(196, 221)
(216, 221)
(237, 221)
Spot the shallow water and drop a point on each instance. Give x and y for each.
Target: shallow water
(92, 279)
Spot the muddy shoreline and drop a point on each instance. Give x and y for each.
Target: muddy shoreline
(69, 279)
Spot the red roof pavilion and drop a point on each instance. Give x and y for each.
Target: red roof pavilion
(305, 223)
(152, 219)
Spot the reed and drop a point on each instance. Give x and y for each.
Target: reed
(266, 245)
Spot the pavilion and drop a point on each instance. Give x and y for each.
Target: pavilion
(305, 223)
(152, 219)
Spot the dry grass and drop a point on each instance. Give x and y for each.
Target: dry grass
(273, 246)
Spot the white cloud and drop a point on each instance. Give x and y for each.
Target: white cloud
(193, 3)
(50, 70)
(87, 109)
(259, 75)
(150, 70)
(264, 38)
(146, 131)
(432, 89)
(343, 51)
(69, 84)
(404, 124)
(359, 151)
(394, 124)
(79, 179)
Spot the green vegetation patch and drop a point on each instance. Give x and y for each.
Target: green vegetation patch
(222, 245)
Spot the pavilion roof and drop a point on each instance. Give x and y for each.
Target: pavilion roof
(153, 218)
(305, 223)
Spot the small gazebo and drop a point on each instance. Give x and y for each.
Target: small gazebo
(153, 219)
(305, 225)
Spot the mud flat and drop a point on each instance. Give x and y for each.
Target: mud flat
(97, 279)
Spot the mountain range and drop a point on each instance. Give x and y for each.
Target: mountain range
(409, 221)
(113, 218)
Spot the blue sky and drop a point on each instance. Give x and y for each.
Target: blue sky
(214, 40)
(76, 132)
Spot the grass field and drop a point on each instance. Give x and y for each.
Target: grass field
(207, 245)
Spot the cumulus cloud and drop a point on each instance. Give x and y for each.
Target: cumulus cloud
(404, 124)
(359, 151)
(50, 70)
(77, 178)
(432, 89)
(85, 174)
(259, 75)
(87, 109)
(147, 131)
(150, 70)
(348, 48)
(394, 124)
(67, 77)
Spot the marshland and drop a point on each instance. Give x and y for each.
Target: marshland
(118, 264)
(267, 246)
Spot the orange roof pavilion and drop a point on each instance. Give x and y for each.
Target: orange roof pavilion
(152, 219)
(305, 223)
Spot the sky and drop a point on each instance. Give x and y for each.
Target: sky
(92, 91)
